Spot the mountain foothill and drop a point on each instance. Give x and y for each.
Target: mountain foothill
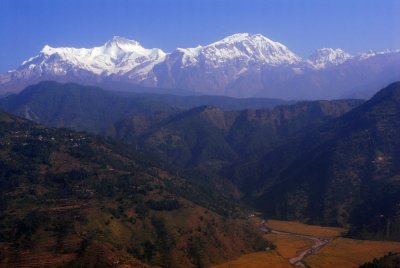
(122, 155)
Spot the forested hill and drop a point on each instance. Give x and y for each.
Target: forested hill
(345, 172)
(95, 203)
(92, 109)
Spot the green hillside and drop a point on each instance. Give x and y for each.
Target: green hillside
(72, 199)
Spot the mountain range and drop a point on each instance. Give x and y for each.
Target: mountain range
(93, 109)
(241, 65)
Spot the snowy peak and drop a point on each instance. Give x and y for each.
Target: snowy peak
(119, 40)
(257, 48)
(116, 44)
(118, 55)
(246, 37)
(48, 50)
(372, 53)
(120, 45)
(243, 37)
(249, 49)
(325, 57)
(239, 37)
(241, 64)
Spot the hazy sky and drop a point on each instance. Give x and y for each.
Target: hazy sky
(302, 25)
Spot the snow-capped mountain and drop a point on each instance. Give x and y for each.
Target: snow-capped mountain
(242, 65)
(242, 48)
(371, 53)
(210, 69)
(325, 57)
(118, 56)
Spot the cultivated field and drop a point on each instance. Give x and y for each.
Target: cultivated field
(305, 229)
(289, 245)
(340, 252)
(269, 259)
(343, 252)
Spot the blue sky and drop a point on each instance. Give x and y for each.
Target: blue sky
(302, 25)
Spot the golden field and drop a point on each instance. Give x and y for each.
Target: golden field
(289, 245)
(305, 229)
(269, 259)
(340, 252)
(344, 252)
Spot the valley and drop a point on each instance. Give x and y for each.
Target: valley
(301, 245)
(171, 181)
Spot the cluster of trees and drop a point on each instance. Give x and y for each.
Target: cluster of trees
(390, 260)
(165, 204)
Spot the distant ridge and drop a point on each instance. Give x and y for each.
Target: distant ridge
(91, 108)
(241, 65)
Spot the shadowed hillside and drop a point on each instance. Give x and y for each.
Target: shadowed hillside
(213, 142)
(344, 172)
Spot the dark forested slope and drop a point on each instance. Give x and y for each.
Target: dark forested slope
(345, 172)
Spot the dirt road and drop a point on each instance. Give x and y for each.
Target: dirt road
(297, 261)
